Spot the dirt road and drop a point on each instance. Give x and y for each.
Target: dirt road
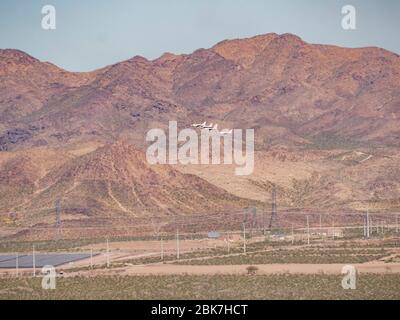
(263, 269)
(170, 269)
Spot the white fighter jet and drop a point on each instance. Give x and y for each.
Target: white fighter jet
(199, 125)
(226, 132)
(223, 132)
(208, 127)
(211, 127)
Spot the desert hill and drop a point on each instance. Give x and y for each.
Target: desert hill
(292, 92)
(326, 122)
(113, 182)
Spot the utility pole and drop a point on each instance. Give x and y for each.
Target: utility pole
(177, 244)
(34, 260)
(365, 226)
(367, 223)
(253, 216)
(16, 264)
(264, 221)
(229, 244)
(397, 223)
(371, 226)
(244, 238)
(333, 228)
(308, 230)
(320, 223)
(162, 248)
(91, 258)
(274, 211)
(292, 235)
(108, 254)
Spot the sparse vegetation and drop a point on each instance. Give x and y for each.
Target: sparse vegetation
(329, 140)
(286, 286)
(304, 255)
(76, 244)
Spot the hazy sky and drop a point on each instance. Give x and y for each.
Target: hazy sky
(95, 33)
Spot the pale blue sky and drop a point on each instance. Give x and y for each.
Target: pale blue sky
(94, 33)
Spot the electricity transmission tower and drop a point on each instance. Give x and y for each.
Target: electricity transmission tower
(274, 209)
(250, 218)
(58, 219)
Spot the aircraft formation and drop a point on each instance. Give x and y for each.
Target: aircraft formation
(211, 127)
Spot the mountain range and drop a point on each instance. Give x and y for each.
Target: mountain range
(326, 120)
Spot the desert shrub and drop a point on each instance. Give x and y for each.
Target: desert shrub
(251, 270)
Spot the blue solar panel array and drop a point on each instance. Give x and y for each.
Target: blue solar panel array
(41, 260)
